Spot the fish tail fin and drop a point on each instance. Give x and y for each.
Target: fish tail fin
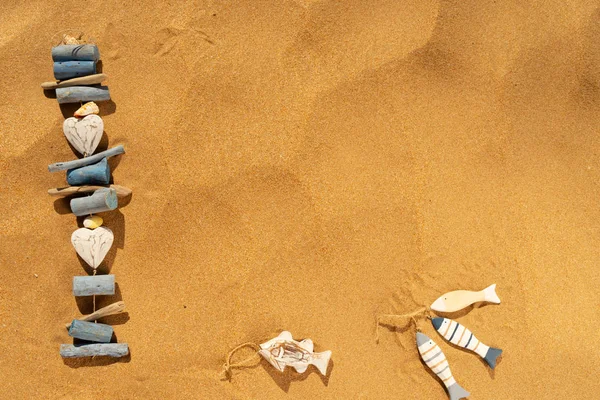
(491, 356)
(321, 361)
(490, 294)
(456, 392)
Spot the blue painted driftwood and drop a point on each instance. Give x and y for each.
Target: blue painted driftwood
(73, 69)
(91, 331)
(96, 349)
(75, 52)
(61, 166)
(94, 174)
(101, 200)
(76, 94)
(93, 285)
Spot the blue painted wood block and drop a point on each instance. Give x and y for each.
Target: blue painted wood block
(95, 174)
(102, 200)
(94, 349)
(73, 69)
(93, 332)
(93, 285)
(75, 94)
(76, 52)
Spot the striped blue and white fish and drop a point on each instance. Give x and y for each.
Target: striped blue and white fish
(435, 359)
(457, 334)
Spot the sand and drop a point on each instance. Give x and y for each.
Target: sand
(307, 165)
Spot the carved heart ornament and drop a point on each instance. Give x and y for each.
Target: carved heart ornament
(84, 134)
(92, 245)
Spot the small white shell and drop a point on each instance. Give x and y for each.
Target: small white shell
(87, 109)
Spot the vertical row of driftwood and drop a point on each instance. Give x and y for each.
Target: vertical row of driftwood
(75, 68)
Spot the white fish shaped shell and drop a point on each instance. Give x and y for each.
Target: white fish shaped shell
(435, 359)
(284, 350)
(459, 299)
(457, 334)
(84, 134)
(92, 245)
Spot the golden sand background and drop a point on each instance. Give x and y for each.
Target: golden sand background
(305, 165)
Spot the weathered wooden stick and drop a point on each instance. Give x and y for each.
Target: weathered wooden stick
(73, 69)
(96, 349)
(76, 94)
(98, 174)
(93, 285)
(61, 166)
(122, 191)
(76, 52)
(90, 331)
(82, 80)
(102, 200)
(111, 309)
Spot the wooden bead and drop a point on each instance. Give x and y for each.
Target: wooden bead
(76, 94)
(91, 331)
(93, 222)
(93, 285)
(61, 166)
(82, 80)
(73, 69)
(96, 349)
(75, 52)
(102, 200)
(95, 174)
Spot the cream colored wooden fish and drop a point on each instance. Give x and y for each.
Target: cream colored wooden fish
(284, 350)
(459, 299)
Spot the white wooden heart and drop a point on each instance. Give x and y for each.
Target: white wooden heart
(92, 245)
(84, 134)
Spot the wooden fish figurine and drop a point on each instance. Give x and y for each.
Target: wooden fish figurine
(87, 109)
(459, 299)
(284, 350)
(435, 359)
(457, 334)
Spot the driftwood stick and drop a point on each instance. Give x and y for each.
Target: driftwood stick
(90, 331)
(73, 69)
(102, 200)
(93, 285)
(97, 349)
(75, 94)
(61, 166)
(122, 191)
(82, 80)
(75, 52)
(111, 309)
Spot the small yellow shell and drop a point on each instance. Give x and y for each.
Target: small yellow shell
(92, 222)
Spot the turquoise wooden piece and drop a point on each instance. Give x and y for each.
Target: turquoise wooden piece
(61, 166)
(96, 349)
(76, 52)
(94, 174)
(76, 94)
(73, 69)
(93, 285)
(101, 200)
(91, 331)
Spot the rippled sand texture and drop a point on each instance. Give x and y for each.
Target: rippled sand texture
(306, 165)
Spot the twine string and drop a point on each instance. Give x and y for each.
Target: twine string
(401, 320)
(247, 362)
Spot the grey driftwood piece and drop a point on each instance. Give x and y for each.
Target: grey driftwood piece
(73, 69)
(91, 331)
(75, 52)
(82, 80)
(76, 94)
(97, 349)
(122, 191)
(93, 174)
(100, 201)
(93, 285)
(61, 166)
